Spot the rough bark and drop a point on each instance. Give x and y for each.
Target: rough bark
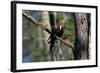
(81, 36)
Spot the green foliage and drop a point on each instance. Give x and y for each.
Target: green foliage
(38, 54)
(69, 29)
(59, 15)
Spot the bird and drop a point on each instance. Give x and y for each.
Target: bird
(58, 31)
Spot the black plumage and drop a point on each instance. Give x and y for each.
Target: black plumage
(55, 32)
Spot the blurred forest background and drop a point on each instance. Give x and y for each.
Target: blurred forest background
(35, 46)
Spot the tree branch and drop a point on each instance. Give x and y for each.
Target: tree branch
(34, 21)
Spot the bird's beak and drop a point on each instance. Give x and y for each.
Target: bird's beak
(60, 27)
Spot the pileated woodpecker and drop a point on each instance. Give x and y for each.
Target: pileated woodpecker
(56, 30)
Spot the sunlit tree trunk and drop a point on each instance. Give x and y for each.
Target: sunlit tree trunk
(81, 36)
(45, 22)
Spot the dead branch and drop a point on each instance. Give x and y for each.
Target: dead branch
(34, 21)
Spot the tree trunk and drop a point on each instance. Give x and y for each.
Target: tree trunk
(81, 34)
(45, 22)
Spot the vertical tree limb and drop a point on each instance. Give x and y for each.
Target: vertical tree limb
(81, 34)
